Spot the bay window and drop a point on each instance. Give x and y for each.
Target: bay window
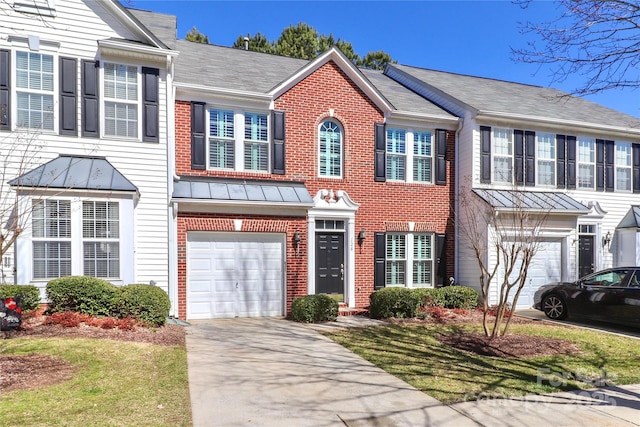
(51, 234)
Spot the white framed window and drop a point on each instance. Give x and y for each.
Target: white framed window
(221, 139)
(586, 160)
(35, 87)
(422, 156)
(623, 166)
(330, 149)
(503, 155)
(546, 159)
(256, 142)
(396, 154)
(409, 260)
(121, 100)
(100, 239)
(51, 238)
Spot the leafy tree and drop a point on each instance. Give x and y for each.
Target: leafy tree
(596, 39)
(196, 36)
(257, 43)
(376, 60)
(327, 42)
(300, 41)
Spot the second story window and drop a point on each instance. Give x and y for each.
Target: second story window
(546, 159)
(35, 87)
(586, 159)
(256, 142)
(422, 156)
(503, 155)
(221, 139)
(623, 166)
(330, 158)
(396, 154)
(120, 100)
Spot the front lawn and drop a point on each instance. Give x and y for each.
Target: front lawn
(113, 383)
(412, 352)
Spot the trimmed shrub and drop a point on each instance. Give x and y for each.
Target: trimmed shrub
(426, 295)
(146, 303)
(394, 302)
(314, 308)
(456, 297)
(29, 294)
(83, 294)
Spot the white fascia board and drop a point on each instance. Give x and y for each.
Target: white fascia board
(345, 65)
(418, 119)
(123, 48)
(71, 192)
(124, 15)
(568, 212)
(191, 92)
(575, 125)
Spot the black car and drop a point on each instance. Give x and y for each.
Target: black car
(611, 295)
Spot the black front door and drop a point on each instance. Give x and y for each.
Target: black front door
(330, 263)
(585, 255)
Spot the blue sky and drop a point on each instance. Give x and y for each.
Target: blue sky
(466, 37)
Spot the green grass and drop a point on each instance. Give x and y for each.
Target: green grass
(116, 383)
(412, 353)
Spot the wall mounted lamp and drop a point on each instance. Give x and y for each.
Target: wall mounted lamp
(362, 235)
(606, 239)
(297, 237)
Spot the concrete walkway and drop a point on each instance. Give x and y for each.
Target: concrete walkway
(274, 372)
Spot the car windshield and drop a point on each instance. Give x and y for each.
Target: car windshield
(608, 278)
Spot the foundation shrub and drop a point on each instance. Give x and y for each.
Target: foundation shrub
(456, 297)
(82, 294)
(146, 303)
(29, 294)
(314, 308)
(394, 302)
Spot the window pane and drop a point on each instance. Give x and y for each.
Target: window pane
(502, 171)
(221, 124)
(51, 259)
(256, 156)
(121, 81)
(586, 176)
(35, 111)
(101, 259)
(121, 119)
(221, 154)
(100, 220)
(255, 127)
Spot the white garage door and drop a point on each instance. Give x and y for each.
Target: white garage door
(545, 267)
(234, 275)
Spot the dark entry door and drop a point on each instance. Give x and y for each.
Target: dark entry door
(330, 263)
(585, 255)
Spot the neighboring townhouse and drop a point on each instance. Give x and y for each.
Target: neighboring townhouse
(87, 109)
(573, 160)
(297, 177)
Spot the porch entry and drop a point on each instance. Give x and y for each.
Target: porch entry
(330, 258)
(586, 253)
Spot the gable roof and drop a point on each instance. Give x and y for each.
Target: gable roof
(507, 100)
(163, 26)
(127, 18)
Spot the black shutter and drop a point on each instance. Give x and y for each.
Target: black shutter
(571, 162)
(441, 155)
(380, 159)
(5, 90)
(277, 142)
(90, 104)
(600, 164)
(518, 139)
(561, 162)
(609, 180)
(635, 153)
(68, 98)
(441, 261)
(485, 156)
(150, 97)
(198, 138)
(380, 244)
(530, 157)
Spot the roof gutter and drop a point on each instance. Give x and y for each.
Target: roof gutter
(199, 91)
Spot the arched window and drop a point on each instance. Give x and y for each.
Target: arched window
(330, 159)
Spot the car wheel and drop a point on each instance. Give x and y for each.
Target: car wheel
(554, 307)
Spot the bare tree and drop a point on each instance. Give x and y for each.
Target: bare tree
(599, 40)
(504, 234)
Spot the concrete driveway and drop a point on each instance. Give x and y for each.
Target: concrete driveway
(273, 372)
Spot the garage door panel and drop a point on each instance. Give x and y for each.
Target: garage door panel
(237, 274)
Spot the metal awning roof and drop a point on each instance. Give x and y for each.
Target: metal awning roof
(534, 201)
(239, 190)
(631, 219)
(75, 173)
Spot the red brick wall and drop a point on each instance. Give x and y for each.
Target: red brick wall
(384, 206)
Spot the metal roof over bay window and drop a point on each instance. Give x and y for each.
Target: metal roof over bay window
(532, 201)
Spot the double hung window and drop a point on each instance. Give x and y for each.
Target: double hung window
(121, 98)
(546, 159)
(623, 166)
(100, 234)
(35, 90)
(222, 139)
(586, 162)
(409, 260)
(422, 157)
(331, 146)
(503, 155)
(256, 145)
(51, 235)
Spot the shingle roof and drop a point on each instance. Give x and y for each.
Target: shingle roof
(400, 97)
(240, 190)
(163, 26)
(631, 219)
(488, 95)
(550, 202)
(76, 173)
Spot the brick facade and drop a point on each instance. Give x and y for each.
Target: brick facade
(384, 206)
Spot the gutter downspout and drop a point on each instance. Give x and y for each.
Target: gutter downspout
(171, 168)
(456, 228)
